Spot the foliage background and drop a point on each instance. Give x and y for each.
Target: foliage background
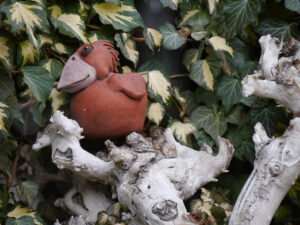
(221, 42)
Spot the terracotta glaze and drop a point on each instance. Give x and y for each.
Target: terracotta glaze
(106, 104)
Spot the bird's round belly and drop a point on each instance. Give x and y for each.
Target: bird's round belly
(105, 113)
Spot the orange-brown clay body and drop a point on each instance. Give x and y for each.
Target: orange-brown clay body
(104, 103)
(111, 108)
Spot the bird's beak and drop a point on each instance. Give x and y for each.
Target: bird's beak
(76, 75)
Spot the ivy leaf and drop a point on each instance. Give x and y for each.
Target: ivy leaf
(159, 87)
(195, 17)
(4, 115)
(53, 66)
(277, 28)
(294, 193)
(192, 55)
(55, 11)
(172, 4)
(58, 99)
(28, 14)
(6, 54)
(171, 38)
(153, 38)
(39, 81)
(268, 116)
(124, 17)
(27, 191)
(212, 5)
(71, 25)
(241, 13)
(7, 85)
(27, 54)
(213, 123)
(202, 75)
(23, 216)
(39, 114)
(4, 197)
(156, 112)
(229, 89)
(293, 5)
(154, 64)
(45, 39)
(219, 44)
(127, 47)
(181, 130)
(117, 2)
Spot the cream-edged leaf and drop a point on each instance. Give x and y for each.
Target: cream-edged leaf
(181, 130)
(26, 14)
(124, 17)
(195, 17)
(117, 2)
(4, 112)
(201, 74)
(198, 35)
(126, 69)
(55, 11)
(212, 5)
(53, 66)
(192, 55)
(127, 47)
(27, 54)
(58, 99)
(158, 86)
(172, 4)
(6, 52)
(219, 44)
(71, 25)
(155, 112)
(153, 38)
(60, 48)
(45, 40)
(171, 38)
(19, 212)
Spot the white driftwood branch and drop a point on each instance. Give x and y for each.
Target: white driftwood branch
(279, 74)
(276, 168)
(151, 176)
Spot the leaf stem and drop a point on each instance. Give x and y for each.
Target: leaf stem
(15, 164)
(138, 39)
(178, 76)
(28, 103)
(93, 26)
(62, 59)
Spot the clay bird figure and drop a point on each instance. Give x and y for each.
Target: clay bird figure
(106, 104)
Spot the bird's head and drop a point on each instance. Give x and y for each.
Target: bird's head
(89, 63)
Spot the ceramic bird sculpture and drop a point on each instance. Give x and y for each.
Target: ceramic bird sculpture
(106, 104)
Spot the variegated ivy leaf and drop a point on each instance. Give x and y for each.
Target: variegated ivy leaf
(71, 25)
(181, 130)
(171, 38)
(55, 11)
(219, 44)
(212, 5)
(60, 48)
(198, 35)
(192, 55)
(4, 113)
(195, 17)
(53, 66)
(27, 54)
(159, 86)
(58, 99)
(6, 52)
(28, 14)
(202, 75)
(153, 38)
(45, 40)
(117, 2)
(124, 17)
(20, 212)
(39, 80)
(127, 47)
(27, 191)
(156, 112)
(172, 4)
(126, 69)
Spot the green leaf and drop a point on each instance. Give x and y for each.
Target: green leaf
(58, 99)
(39, 81)
(27, 54)
(235, 115)
(102, 218)
(213, 123)
(241, 13)
(202, 75)
(172, 4)
(195, 17)
(277, 28)
(171, 38)
(181, 130)
(53, 66)
(23, 216)
(39, 114)
(71, 25)
(154, 64)
(114, 210)
(27, 191)
(7, 149)
(282, 214)
(124, 17)
(192, 55)
(7, 85)
(153, 38)
(55, 11)
(117, 2)
(24, 220)
(3, 201)
(127, 47)
(4, 116)
(155, 112)
(191, 102)
(269, 117)
(28, 14)
(203, 138)
(6, 53)
(294, 193)
(293, 5)
(219, 44)
(229, 89)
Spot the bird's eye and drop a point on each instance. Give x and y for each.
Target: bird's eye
(86, 50)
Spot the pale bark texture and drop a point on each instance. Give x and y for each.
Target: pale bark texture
(276, 165)
(150, 176)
